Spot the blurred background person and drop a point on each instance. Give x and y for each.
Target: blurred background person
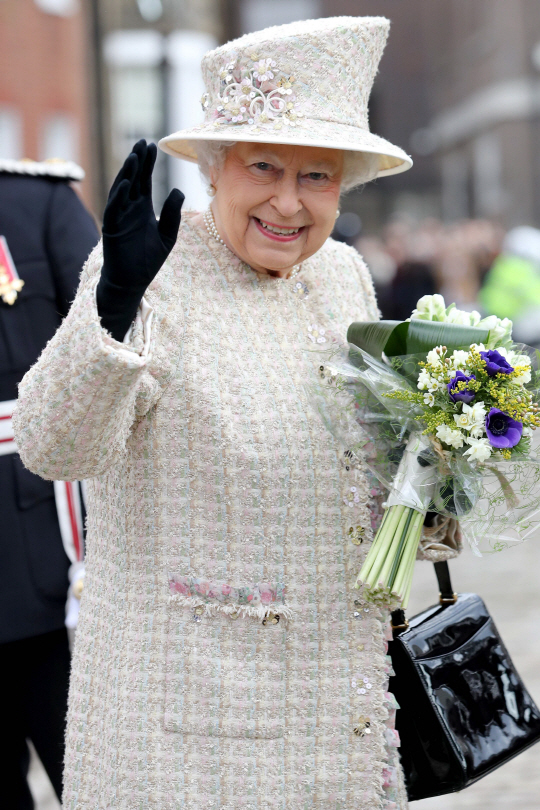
(412, 280)
(46, 235)
(512, 286)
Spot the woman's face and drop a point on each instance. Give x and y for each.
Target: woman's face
(275, 204)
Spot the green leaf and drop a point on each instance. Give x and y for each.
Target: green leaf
(425, 335)
(397, 343)
(396, 338)
(371, 336)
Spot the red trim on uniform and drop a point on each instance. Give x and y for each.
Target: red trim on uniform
(11, 439)
(73, 520)
(9, 416)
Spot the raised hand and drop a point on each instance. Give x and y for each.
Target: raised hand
(135, 244)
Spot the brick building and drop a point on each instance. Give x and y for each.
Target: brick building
(44, 82)
(84, 79)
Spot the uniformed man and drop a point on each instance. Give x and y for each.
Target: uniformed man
(46, 235)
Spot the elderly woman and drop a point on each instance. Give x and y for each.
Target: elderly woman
(223, 659)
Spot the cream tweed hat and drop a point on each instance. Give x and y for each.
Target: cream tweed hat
(306, 83)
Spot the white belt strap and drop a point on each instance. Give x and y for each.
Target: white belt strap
(7, 438)
(67, 494)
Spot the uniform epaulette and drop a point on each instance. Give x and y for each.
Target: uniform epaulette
(53, 168)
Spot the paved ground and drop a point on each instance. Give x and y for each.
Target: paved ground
(509, 582)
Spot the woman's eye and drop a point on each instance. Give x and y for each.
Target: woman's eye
(264, 167)
(317, 176)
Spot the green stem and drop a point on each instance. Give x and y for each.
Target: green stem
(380, 553)
(410, 554)
(403, 584)
(376, 554)
(401, 549)
(382, 579)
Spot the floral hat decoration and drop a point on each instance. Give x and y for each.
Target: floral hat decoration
(307, 83)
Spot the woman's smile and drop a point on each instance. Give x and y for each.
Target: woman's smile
(278, 233)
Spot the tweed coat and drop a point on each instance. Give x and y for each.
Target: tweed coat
(217, 501)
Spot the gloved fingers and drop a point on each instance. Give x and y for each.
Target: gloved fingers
(117, 202)
(127, 172)
(169, 221)
(140, 149)
(147, 169)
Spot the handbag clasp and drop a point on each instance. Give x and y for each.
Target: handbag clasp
(448, 600)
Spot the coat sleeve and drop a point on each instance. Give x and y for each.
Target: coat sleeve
(77, 405)
(70, 236)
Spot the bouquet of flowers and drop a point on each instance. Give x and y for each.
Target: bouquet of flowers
(442, 408)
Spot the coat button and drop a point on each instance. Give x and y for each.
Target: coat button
(272, 618)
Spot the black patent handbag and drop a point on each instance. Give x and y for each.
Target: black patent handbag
(464, 710)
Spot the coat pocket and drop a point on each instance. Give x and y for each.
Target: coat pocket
(225, 660)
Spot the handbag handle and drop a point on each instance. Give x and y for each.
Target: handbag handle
(447, 596)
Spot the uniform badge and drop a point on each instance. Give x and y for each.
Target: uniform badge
(10, 283)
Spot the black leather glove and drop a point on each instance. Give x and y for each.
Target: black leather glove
(135, 244)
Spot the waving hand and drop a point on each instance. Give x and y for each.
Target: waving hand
(135, 243)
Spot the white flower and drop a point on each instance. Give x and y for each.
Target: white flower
(424, 380)
(477, 431)
(434, 356)
(515, 359)
(454, 438)
(471, 416)
(430, 308)
(500, 331)
(478, 346)
(477, 413)
(462, 421)
(459, 360)
(479, 450)
(429, 399)
(458, 316)
(523, 378)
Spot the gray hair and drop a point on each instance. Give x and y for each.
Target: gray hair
(358, 167)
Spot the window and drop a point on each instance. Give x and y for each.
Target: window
(11, 136)
(62, 8)
(257, 14)
(59, 137)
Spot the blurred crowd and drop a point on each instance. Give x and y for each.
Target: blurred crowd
(412, 259)
(474, 263)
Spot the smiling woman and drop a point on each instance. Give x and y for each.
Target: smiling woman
(275, 204)
(223, 659)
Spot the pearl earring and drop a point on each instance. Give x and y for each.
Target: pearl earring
(338, 212)
(211, 190)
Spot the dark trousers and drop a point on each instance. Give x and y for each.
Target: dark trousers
(34, 677)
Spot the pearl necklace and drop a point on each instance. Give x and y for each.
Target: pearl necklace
(210, 223)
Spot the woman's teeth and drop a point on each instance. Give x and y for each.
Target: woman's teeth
(283, 231)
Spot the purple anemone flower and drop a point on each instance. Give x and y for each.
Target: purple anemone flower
(465, 395)
(496, 363)
(503, 431)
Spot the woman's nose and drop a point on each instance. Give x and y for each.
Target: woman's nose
(286, 199)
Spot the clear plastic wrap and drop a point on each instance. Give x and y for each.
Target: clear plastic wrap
(497, 501)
